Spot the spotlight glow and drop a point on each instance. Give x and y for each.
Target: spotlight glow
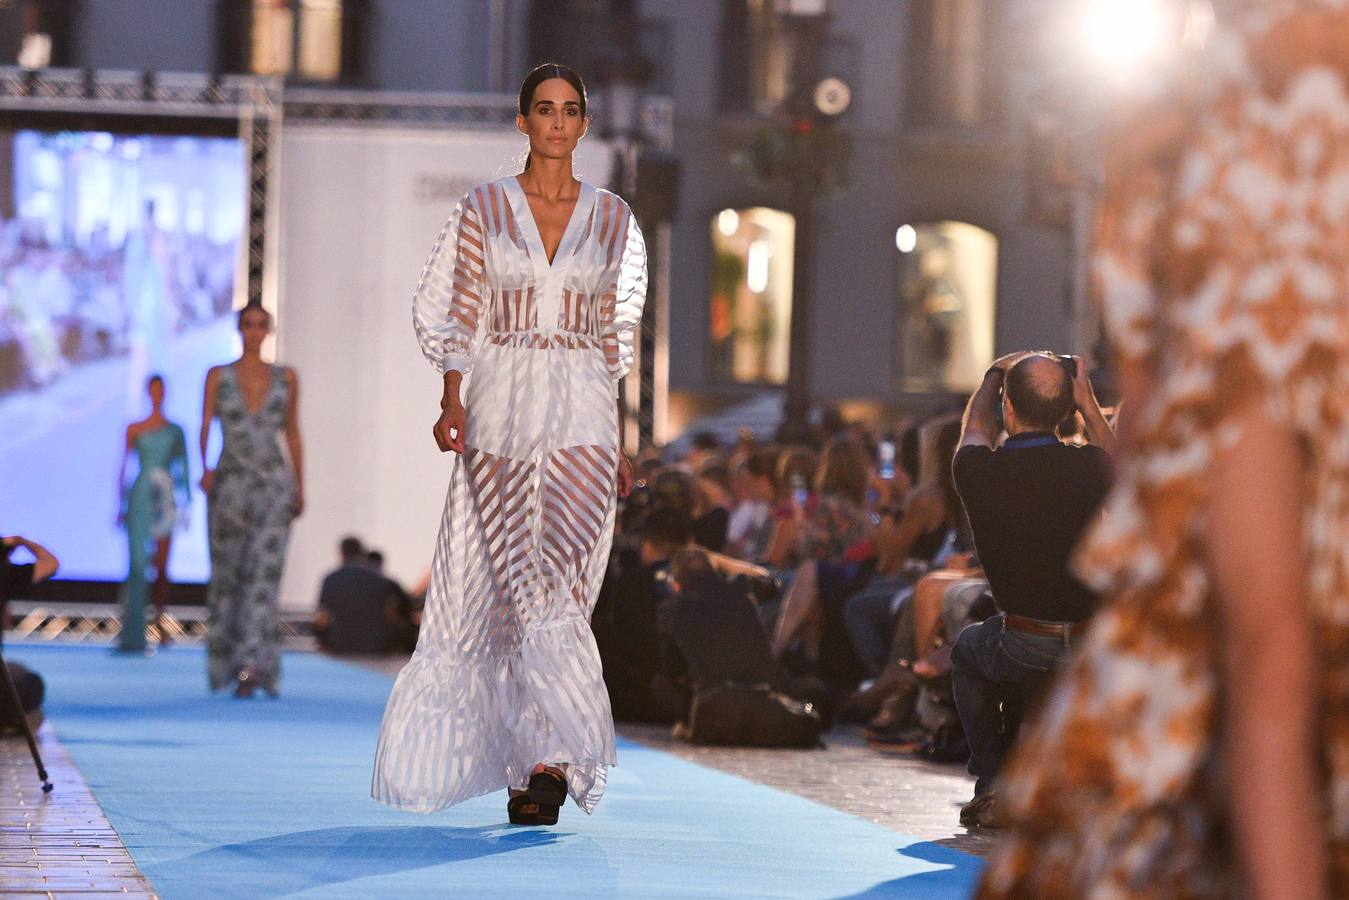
(756, 269)
(1124, 35)
(906, 238)
(728, 222)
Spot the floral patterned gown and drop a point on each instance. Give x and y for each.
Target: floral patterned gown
(1224, 263)
(249, 513)
(506, 673)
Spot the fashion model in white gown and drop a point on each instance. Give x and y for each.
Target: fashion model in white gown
(506, 674)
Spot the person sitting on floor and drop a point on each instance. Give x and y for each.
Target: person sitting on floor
(357, 605)
(710, 633)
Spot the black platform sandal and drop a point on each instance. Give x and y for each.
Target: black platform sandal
(524, 810)
(549, 790)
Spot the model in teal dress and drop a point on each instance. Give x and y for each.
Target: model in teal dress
(150, 509)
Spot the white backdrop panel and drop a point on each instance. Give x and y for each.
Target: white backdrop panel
(360, 210)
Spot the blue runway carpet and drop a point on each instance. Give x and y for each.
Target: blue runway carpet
(217, 797)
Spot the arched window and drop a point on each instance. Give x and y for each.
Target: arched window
(948, 274)
(306, 40)
(750, 310)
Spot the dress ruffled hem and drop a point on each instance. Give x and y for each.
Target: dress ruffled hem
(457, 728)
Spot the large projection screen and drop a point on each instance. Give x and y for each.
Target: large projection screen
(360, 211)
(118, 258)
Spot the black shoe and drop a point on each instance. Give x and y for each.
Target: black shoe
(523, 810)
(549, 790)
(981, 812)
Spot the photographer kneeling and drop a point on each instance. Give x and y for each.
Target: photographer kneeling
(15, 581)
(1028, 503)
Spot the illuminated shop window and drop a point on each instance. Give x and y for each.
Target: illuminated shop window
(320, 39)
(751, 294)
(273, 38)
(299, 38)
(947, 305)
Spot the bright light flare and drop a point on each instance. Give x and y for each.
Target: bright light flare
(756, 269)
(906, 238)
(728, 222)
(1125, 35)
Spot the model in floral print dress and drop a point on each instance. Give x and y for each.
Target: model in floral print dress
(1198, 745)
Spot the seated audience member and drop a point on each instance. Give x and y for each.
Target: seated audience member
(357, 605)
(796, 468)
(15, 581)
(908, 542)
(1028, 503)
(714, 488)
(710, 632)
(704, 448)
(835, 544)
(624, 622)
(751, 525)
(678, 490)
(404, 615)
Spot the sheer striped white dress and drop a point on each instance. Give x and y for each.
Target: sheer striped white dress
(506, 673)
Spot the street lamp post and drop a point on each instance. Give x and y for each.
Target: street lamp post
(807, 146)
(623, 80)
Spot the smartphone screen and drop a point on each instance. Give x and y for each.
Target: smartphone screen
(886, 459)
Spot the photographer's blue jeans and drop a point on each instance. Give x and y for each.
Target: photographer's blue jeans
(990, 664)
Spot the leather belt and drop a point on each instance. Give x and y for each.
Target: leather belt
(1041, 628)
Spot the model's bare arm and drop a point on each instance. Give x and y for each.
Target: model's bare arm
(1269, 732)
(625, 477)
(293, 438)
(121, 476)
(207, 414)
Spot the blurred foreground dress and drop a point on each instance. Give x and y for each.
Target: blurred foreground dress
(506, 673)
(1224, 262)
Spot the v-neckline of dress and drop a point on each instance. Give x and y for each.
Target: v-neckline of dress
(520, 208)
(243, 400)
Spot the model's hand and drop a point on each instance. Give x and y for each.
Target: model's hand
(449, 428)
(208, 481)
(624, 474)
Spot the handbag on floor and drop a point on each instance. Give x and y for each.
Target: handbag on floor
(752, 716)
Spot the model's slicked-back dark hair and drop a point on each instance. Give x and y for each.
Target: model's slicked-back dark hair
(1040, 391)
(537, 76)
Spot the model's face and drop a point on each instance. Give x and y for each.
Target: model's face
(253, 327)
(156, 391)
(554, 124)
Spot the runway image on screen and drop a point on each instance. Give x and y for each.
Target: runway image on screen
(118, 260)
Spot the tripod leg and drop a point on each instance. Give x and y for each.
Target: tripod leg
(13, 692)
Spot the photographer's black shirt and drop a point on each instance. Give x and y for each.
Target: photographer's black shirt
(14, 582)
(1028, 503)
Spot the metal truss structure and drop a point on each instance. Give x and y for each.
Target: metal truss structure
(97, 623)
(262, 106)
